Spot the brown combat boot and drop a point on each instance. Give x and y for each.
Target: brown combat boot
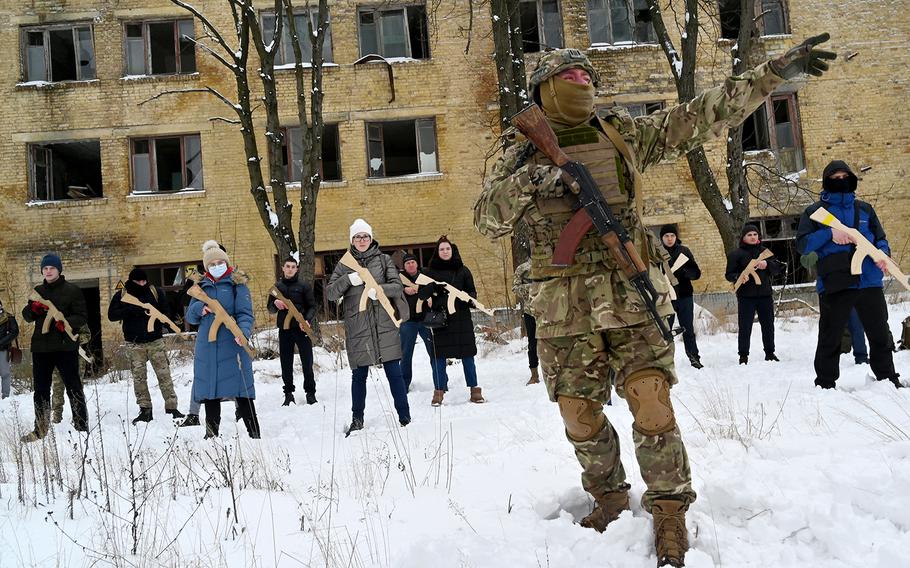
(476, 396)
(437, 397)
(535, 378)
(606, 510)
(42, 424)
(670, 536)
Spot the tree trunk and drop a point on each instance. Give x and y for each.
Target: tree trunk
(509, 59)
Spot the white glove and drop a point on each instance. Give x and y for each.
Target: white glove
(355, 279)
(372, 293)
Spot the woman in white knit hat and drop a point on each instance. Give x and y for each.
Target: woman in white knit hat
(371, 335)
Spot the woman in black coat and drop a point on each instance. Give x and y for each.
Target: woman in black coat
(456, 339)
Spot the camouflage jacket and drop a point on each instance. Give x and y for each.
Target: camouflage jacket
(520, 286)
(593, 294)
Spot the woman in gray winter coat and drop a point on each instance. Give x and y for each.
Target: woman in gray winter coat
(371, 335)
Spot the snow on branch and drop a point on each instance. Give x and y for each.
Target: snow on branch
(209, 90)
(207, 23)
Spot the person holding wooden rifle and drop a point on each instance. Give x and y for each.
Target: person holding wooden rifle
(414, 327)
(9, 332)
(455, 340)
(57, 308)
(300, 294)
(366, 281)
(751, 274)
(597, 316)
(685, 269)
(839, 290)
(143, 329)
(223, 368)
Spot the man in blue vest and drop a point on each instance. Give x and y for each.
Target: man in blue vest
(839, 291)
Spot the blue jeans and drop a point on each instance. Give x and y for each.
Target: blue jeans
(857, 334)
(470, 373)
(408, 332)
(396, 385)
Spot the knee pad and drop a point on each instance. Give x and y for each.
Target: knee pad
(648, 394)
(583, 418)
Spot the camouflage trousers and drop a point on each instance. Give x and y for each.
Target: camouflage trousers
(156, 353)
(58, 390)
(584, 366)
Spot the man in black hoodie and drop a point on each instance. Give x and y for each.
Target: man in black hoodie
(683, 305)
(301, 294)
(414, 327)
(56, 349)
(752, 297)
(145, 346)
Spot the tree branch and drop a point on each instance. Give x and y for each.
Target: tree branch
(209, 90)
(207, 23)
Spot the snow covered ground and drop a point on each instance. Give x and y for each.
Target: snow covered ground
(786, 475)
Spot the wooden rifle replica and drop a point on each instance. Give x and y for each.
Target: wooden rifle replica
(151, 311)
(293, 313)
(680, 261)
(408, 284)
(369, 282)
(454, 294)
(751, 270)
(221, 317)
(863, 247)
(593, 211)
(53, 314)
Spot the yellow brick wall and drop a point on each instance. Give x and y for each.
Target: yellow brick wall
(857, 112)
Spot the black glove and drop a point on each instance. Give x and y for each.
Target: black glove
(804, 59)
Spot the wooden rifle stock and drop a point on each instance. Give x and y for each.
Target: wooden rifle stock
(151, 311)
(293, 313)
(454, 294)
(53, 314)
(533, 124)
(751, 270)
(221, 317)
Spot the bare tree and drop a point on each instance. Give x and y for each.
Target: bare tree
(730, 211)
(508, 56)
(232, 49)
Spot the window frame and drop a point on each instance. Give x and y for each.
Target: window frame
(417, 123)
(289, 155)
(74, 28)
(153, 163)
(33, 148)
(655, 106)
(796, 274)
(543, 41)
(147, 52)
(382, 8)
(607, 8)
(758, 9)
(280, 56)
(769, 132)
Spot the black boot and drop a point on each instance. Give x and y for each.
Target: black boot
(695, 361)
(311, 398)
(190, 420)
(175, 414)
(247, 410)
(896, 381)
(288, 399)
(771, 357)
(145, 415)
(743, 359)
(356, 424)
(212, 418)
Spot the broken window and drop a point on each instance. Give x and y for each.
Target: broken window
(775, 126)
(59, 53)
(779, 235)
(643, 109)
(401, 147)
(167, 163)
(772, 20)
(159, 48)
(65, 170)
(395, 32)
(331, 154)
(620, 21)
(285, 53)
(541, 25)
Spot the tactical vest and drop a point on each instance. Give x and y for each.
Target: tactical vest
(548, 217)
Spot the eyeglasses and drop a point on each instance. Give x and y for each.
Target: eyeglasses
(362, 237)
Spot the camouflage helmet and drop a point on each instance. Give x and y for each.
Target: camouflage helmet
(552, 62)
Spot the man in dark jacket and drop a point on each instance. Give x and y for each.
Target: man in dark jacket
(752, 297)
(9, 331)
(56, 349)
(145, 346)
(683, 305)
(410, 329)
(301, 294)
(839, 291)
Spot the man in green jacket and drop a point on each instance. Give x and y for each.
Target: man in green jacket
(591, 324)
(56, 349)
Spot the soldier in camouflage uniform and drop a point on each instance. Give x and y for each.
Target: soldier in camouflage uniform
(590, 320)
(521, 285)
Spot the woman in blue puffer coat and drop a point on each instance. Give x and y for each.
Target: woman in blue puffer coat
(222, 369)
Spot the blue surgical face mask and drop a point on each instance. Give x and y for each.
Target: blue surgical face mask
(218, 270)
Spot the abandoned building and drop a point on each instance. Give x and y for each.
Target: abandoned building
(103, 171)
